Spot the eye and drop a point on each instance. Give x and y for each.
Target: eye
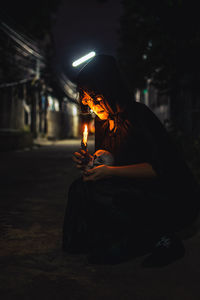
(84, 101)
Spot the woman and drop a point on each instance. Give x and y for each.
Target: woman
(146, 196)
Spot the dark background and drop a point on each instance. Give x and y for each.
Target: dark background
(151, 39)
(157, 46)
(74, 27)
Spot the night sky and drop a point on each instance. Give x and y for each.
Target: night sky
(84, 26)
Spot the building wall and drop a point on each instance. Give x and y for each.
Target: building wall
(181, 109)
(185, 109)
(11, 109)
(63, 124)
(159, 103)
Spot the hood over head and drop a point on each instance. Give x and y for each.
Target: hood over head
(101, 76)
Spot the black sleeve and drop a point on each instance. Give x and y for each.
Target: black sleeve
(162, 153)
(176, 178)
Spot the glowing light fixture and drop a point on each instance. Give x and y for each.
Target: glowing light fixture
(83, 59)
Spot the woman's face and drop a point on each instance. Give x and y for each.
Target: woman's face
(97, 105)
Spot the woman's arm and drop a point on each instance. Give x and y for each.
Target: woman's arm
(136, 171)
(142, 170)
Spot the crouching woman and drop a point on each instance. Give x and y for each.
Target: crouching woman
(141, 192)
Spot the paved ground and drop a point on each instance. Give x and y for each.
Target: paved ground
(33, 197)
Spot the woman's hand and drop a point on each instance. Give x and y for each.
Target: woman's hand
(80, 157)
(97, 173)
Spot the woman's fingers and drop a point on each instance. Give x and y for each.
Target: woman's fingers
(89, 171)
(89, 175)
(76, 160)
(96, 173)
(78, 155)
(83, 152)
(79, 158)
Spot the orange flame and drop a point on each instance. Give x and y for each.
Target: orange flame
(85, 135)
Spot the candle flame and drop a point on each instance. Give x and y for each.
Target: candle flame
(85, 135)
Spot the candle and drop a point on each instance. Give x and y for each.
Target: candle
(87, 157)
(85, 136)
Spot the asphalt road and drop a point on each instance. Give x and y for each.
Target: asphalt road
(33, 198)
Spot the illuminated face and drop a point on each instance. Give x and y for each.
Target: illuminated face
(97, 105)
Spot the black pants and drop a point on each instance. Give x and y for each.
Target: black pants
(101, 213)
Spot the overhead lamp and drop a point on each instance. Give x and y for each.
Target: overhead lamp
(83, 59)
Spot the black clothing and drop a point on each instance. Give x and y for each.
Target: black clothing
(142, 138)
(119, 209)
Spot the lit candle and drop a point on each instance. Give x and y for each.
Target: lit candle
(85, 137)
